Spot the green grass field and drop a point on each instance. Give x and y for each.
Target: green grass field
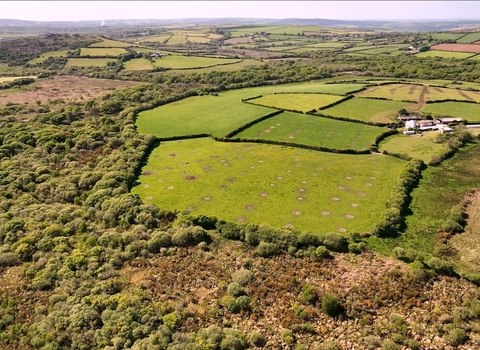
(88, 62)
(298, 102)
(314, 131)
(7, 79)
(156, 38)
(447, 36)
(247, 63)
(468, 111)
(177, 39)
(114, 51)
(435, 93)
(469, 38)
(266, 184)
(221, 114)
(110, 43)
(44, 56)
(186, 62)
(197, 39)
(415, 146)
(366, 109)
(138, 64)
(445, 54)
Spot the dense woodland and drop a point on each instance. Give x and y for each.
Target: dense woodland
(85, 264)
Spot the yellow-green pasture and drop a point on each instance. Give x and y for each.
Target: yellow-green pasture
(297, 102)
(419, 146)
(98, 51)
(88, 62)
(110, 43)
(44, 56)
(186, 62)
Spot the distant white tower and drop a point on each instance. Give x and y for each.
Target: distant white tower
(103, 23)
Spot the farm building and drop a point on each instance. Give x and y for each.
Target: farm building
(471, 126)
(410, 124)
(448, 120)
(446, 129)
(423, 123)
(156, 54)
(409, 132)
(405, 118)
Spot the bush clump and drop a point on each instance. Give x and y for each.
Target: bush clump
(330, 305)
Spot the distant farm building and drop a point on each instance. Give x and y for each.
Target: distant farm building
(471, 126)
(409, 132)
(448, 120)
(410, 124)
(156, 54)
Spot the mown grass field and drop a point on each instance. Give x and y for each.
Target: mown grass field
(366, 109)
(138, 64)
(88, 62)
(380, 50)
(97, 51)
(266, 184)
(156, 38)
(186, 62)
(469, 38)
(445, 54)
(200, 114)
(177, 39)
(468, 111)
(398, 92)
(110, 43)
(415, 146)
(298, 102)
(436, 93)
(221, 114)
(314, 131)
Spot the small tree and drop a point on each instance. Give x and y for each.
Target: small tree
(330, 305)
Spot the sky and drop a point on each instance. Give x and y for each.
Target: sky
(347, 10)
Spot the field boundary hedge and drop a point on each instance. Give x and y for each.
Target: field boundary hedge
(344, 119)
(450, 100)
(253, 122)
(346, 98)
(392, 220)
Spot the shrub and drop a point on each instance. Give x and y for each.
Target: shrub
(257, 340)
(330, 305)
(309, 294)
(389, 345)
(234, 289)
(335, 242)
(266, 250)
(287, 336)
(322, 252)
(243, 302)
(171, 320)
(233, 340)
(456, 337)
(242, 276)
(9, 259)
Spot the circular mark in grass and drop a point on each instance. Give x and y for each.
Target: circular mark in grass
(296, 212)
(377, 172)
(148, 172)
(260, 161)
(181, 164)
(349, 216)
(161, 180)
(289, 171)
(354, 205)
(373, 178)
(301, 190)
(288, 225)
(146, 186)
(279, 177)
(213, 156)
(172, 155)
(368, 184)
(167, 168)
(206, 198)
(148, 197)
(191, 208)
(191, 177)
(300, 198)
(240, 219)
(263, 194)
(240, 157)
(223, 187)
(341, 187)
(250, 207)
(304, 182)
(252, 167)
(325, 212)
(335, 199)
(170, 188)
(222, 160)
(361, 194)
(348, 177)
(314, 174)
(342, 229)
(232, 179)
(225, 164)
(272, 185)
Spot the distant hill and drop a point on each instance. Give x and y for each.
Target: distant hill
(403, 25)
